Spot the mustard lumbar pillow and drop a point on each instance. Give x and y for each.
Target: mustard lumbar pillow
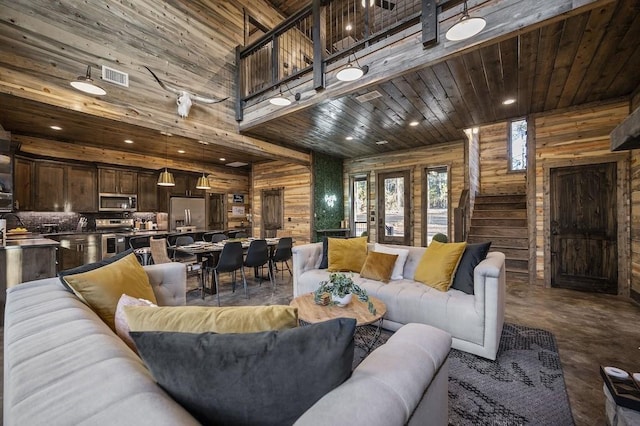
(438, 264)
(347, 254)
(102, 287)
(203, 319)
(378, 266)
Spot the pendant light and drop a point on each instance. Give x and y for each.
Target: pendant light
(280, 99)
(84, 83)
(203, 182)
(466, 27)
(166, 178)
(352, 72)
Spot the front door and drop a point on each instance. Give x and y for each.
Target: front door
(394, 223)
(584, 250)
(272, 212)
(216, 212)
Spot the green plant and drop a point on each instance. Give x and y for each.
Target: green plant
(440, 237)
(339, 285)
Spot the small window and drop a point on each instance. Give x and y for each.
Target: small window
(518, 145)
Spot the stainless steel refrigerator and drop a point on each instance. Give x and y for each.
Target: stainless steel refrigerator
(187, 211)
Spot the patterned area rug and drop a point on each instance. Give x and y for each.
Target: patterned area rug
(523, 386)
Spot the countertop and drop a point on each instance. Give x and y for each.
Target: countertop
(29, 242)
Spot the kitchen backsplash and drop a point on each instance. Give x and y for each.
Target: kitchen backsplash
(33, 221)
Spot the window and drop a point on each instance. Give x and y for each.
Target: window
(518, 145)
(360, 205)
(437, 202)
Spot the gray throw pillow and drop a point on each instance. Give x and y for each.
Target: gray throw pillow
(267, 378)
(473, 254)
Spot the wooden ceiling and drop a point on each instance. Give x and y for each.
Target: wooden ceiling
(590, 57)
(30, 118)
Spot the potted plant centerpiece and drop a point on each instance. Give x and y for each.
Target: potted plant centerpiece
(341, 287)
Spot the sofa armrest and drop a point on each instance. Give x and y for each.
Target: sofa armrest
(169, 283)
(304, 258)
(489, 289)
(392, 385)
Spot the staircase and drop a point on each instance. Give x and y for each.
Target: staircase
(502, 219)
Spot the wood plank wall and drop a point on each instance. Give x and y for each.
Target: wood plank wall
(295, 180)
(581, 136)
(416, 161)
(495, 177)
(635, 210)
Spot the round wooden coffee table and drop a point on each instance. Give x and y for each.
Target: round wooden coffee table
(366, 337)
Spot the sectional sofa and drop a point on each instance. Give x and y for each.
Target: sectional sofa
(473, 320)
(64, 365)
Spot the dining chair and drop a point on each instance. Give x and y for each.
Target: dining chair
(230, 260)
(159, 251)
(257, 257)
(241, 235)
(214, 237)
(282, 254)
(141, 248)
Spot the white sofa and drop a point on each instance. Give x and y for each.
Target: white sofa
(474, 321)
(63, 365)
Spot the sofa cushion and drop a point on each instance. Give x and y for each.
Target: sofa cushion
(268, 378)
(122, 325)
(378, 266)
(324, 262)
(400, 261)
(102, 286)
(439, 263)
(201, 319)
(347, 254)
(473, 254)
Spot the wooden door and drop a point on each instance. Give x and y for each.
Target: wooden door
(108, 181)
(216, 212)
(127, 182)
(50, 179)
(23, 184)
(81, 189)
(272, 212)
(394, 200)
(584, 250)
(147, 192)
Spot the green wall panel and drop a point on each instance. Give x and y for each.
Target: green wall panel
(328, 199)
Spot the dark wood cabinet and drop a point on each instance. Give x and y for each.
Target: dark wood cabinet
(23, 178)
(82, 194)
(50, 183)
(118, 181)
(148, 192)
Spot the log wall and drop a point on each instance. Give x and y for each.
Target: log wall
(575, 137)
(296, 183)
(495, 177)
(416, 161)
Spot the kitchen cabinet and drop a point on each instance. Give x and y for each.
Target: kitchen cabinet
(118, 181)
(81, 189)
(50, 186)
(23, 178)
(78, 249)
(147, 192)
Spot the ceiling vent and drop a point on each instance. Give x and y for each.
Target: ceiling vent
(114, 76)
(237, 164)
(368, 96)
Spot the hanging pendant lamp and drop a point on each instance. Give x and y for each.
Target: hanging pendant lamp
(352, 72)
(166, 178)
(466, 27)
(84, 83)
(203, 182)
(280, 99)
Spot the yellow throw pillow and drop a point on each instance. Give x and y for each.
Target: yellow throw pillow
(101, 288)
(202, 319)
(438, 264)
(378, 266)
(347, 254)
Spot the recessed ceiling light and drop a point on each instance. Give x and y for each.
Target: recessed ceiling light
(509, 101)
(165, 133)
(382, 142)
(56, 127)
(181, 151)
(203, 142)
(413, 123)
(349, 138)
(223, 159)
(128, 141)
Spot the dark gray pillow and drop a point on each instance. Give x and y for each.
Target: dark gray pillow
(267, 378)
(90, 267)
(324, 263)
(473, 254)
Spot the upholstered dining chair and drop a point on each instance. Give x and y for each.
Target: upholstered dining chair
(282, 254)
(230, 260)
(257, 257)
(241, 235)
(214, 237)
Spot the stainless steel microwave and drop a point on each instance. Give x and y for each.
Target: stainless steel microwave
(117, 202)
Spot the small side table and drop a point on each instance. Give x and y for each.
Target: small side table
(617, 415)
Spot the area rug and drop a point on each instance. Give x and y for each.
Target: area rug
(523, 386)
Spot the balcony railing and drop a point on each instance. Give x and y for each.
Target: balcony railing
(317, 35)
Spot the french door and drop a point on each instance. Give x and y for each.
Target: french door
(394, 199)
